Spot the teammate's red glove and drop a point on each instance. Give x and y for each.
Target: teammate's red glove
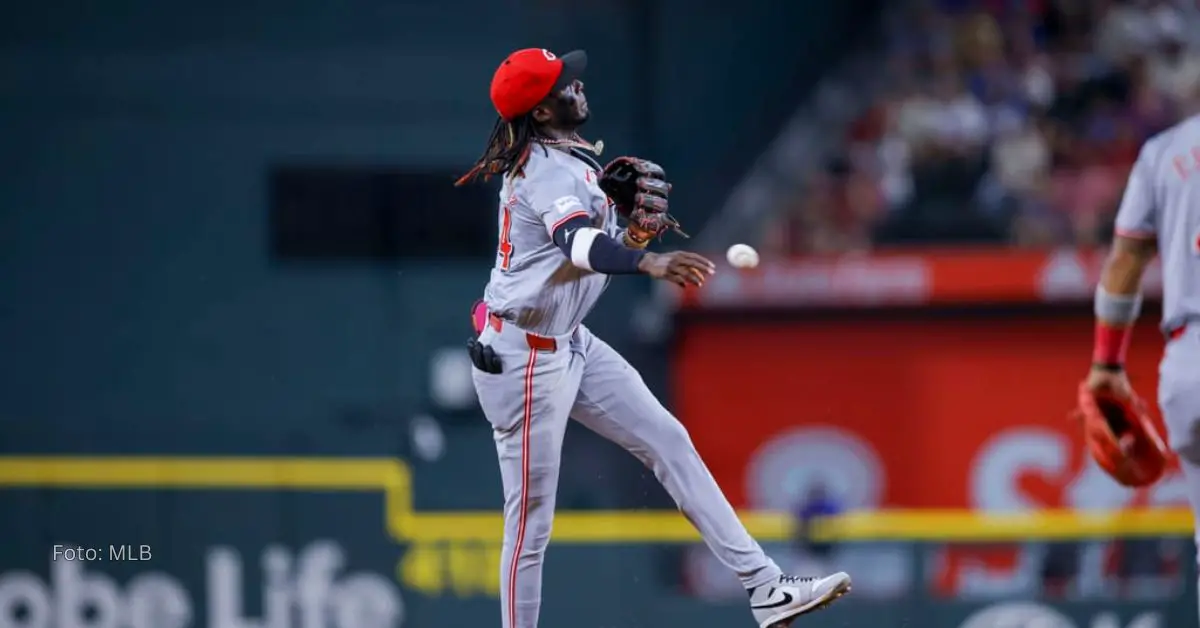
(639, 190)
(1121, 436)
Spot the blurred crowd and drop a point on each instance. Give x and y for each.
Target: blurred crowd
(1001, 121)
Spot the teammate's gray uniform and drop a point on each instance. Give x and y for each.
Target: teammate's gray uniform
(536, 290)
(1162, 202)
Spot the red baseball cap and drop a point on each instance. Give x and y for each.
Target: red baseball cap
(528, 76)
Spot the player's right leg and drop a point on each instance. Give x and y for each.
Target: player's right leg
(615, 403)
(527, 405)
(1179, 398)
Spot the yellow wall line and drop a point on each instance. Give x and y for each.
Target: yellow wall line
(393, 478)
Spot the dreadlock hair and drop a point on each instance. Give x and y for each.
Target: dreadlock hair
(507, 150)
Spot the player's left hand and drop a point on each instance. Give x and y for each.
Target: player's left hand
(645, 226)
(640, 191)
(1116, 382)
(1118, 430)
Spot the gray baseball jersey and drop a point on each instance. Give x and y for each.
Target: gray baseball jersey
(533, 284)
(1162, 202)
(568, 373)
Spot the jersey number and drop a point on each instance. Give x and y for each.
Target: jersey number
(506, 247)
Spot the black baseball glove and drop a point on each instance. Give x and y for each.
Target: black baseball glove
(639, 189)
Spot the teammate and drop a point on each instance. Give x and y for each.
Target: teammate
(1160, 212)
(537, 365)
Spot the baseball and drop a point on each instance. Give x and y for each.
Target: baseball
(742, 256)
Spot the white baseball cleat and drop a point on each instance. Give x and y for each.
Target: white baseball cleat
(777, 603)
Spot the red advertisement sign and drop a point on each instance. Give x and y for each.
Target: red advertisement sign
(903, 413)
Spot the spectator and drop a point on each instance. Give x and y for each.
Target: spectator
(1175, 70)
(1021, 158)
(955, 118)
(1020, 163)
(1004, 118)
(1060, 567)
(1032, 67)
(817, 503)
(1126, 29)
(865, 206)
(811, 226)
(1151, 110)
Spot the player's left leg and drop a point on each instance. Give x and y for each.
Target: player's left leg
(614, 402)
(527, 404)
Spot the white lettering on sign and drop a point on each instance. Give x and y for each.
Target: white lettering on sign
(1032, 614)
(302, 589)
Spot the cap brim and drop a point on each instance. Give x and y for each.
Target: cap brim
(574, 63)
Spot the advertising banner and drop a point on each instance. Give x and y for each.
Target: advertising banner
(933, 412)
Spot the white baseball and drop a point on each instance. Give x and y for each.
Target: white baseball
(742, 256)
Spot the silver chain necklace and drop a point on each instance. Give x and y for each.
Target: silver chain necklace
(573, 142)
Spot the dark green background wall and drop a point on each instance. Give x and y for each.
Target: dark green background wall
(134, 271)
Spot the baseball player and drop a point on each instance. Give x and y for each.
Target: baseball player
(536, 363)
(1160, 213)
